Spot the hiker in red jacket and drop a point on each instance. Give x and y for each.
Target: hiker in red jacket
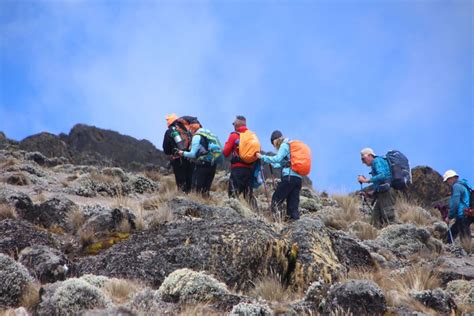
(241, 174)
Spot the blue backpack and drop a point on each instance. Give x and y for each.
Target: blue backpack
(400, 169)
(212, 152)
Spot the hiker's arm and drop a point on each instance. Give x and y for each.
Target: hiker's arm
(196, 142)
(454, 202)
(276, 160)
(379, 168)
(229, 144)
(167, 146)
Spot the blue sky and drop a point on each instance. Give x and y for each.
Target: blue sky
(339, 75)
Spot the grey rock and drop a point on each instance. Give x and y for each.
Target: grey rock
(47, 264)
(14, 278)
(453, 268)
(53, 212)
(351, 253)
(436, 299)
(360, 297)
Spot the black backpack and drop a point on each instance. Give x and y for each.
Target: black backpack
(400, 168)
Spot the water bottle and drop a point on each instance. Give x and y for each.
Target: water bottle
(177, 139)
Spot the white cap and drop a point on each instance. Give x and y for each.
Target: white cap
(367, 151)
(449, 174)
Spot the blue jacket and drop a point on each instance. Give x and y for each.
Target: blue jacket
(381, 175)
(281, 160)
(195, 145)
(459, 199)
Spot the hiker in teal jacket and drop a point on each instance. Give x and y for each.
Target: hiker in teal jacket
(384, 210)
(290, 185)
(458, 202)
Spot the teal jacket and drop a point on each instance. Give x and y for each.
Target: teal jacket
(195, 145)
(459, 199)
(281, 160)
(381, 175)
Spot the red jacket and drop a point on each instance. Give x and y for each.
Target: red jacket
(231, 147)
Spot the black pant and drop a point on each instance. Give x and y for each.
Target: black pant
(384, 209)
(461, 227)
(289, 188)
(202, 178)
(241, 182)
(183, 172)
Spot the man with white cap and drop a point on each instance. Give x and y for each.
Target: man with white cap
(383, 212)
(459, 201)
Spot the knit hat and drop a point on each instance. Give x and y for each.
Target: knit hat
(170, 118)
(275, 135)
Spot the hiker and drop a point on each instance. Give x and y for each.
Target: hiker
(460, 200)
(178, 137)
(242, 168)
(383, 212)
(291, 181)
(206, 151)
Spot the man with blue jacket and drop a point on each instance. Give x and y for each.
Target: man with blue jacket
(458, 202)
(290, 185)
(383, 212)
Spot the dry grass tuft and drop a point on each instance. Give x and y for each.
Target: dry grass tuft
(160, 200)
(167, 184)
(364, 231)
(8, 163)
(124, 226)
(153, 175)
(140, 220)
(30, 296)
(121, 291)
(347, 214)
(121, 200)
(411, 212)
(87, 237)
(467, 245)
(76, 219)
(271, 289)
(104, 178)
(162, 215)
(7, 211)
(56, 229)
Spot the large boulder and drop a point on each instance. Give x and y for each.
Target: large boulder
(16, 235)
(427, 186)
(71, 297)
(237, 251)
(351, 253)
(14, 278)
(312, 255)
(406, 239)
(47, 264)
(436, 299)
(53, 212)
(360, 297)
(462, 292)
(453, 268)
(48, 144)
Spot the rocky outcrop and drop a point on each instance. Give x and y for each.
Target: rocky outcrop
(427, 186)
(15, 235)
(47, 264)
(48, 144)
(436, 299)
(13, 279)
(350, 252)
(53, 212)
(454, 268)
(237, 251)
(360, 297)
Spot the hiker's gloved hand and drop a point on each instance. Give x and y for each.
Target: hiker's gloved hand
(180, 153)
(362, 179)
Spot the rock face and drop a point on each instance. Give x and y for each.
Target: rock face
(16, 235)
(311, 255)
(360, 297)
(436, 299)
(427, 186)
(47, 264)
(48, 144)
(453, 268)
(237, 251)
(49, 213)
(350, 253)
(13, 278)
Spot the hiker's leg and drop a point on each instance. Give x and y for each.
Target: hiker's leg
(280, 194)
(189, 169)
(376, 219)
(232, 189)
(293, 200)
(455, 229)
(465, 229)
(199, 178)
(179, 171)
(386, 209)
(210, 173)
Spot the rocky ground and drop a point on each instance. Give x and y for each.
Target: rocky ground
(89, 240)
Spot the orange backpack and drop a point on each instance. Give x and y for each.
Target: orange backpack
(300, 157)
(249, 145)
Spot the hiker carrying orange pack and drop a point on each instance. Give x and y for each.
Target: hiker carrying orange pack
(294, 157)
(242, 144)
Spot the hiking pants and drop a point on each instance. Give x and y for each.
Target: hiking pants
(202, 178)
(289, 188)
(183, 172)
(461, 227)
(384, 210)
(241, 182)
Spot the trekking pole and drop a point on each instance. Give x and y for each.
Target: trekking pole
(450, 234)
(273, 177)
